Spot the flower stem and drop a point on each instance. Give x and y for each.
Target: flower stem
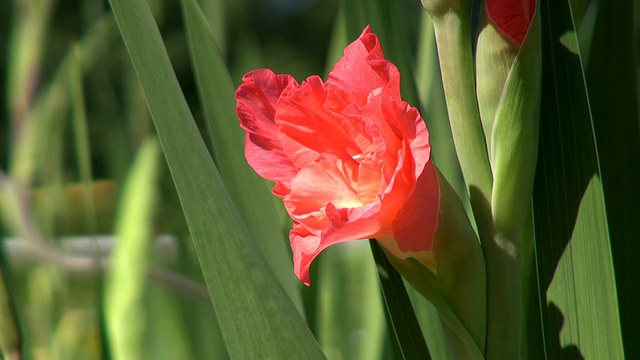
(504, 301)
(453, 35)
(501, 250)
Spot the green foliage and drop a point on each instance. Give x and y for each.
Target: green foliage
(407, 336)
(255, 314)
(125, 283)
(614, 104)
(351, 323)
(222, 284)
(216, 95)
(576, 285)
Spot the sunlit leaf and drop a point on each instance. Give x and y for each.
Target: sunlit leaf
(612, 79)
(574, 265)
(124, 292)
(256, 316)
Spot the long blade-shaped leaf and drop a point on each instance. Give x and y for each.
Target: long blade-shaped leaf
(257, 318)
(10, 333)
(575, 269)
(124, 291)
(349, 268)
(255, 206)
(613, 95)
(402, 320)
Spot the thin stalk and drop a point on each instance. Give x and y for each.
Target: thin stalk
(10, 332)
(504, 300)
(453, 35)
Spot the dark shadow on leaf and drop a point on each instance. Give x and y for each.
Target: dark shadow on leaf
(571, 352)
(614, 104)
(566, 162)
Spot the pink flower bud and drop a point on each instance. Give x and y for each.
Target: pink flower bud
(512, 17)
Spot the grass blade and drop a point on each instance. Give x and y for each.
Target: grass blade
(53, 100)
(81, 137)
(10, 332)
(216, 95)
(409, 342)
(24, 62)
(256, 316)
(431, 324)
(353, 326)
(613, 95)
(125, 282)
(575, 270)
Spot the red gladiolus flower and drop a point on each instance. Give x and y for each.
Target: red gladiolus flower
(512, 17)
(350, 159)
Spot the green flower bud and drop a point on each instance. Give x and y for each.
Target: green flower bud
(508, 66)
(452, 277)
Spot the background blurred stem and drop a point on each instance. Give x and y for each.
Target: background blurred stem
(10, 333)
(52, 101)
(125, 282)
(82, 257)
(10, 336)
(81, 137)
(26, 47)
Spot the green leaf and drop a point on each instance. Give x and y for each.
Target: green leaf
(10, 332)
(81, 137)
(256, 316)
(613, 95)
(514, 136)
(430, 323)
(428, 288)
(173, 341)
(51, 102)
(409, 342)
(457, 287)
(216, 95)
(214, 12)
(125, 282)
(26, 46)
(574, 265)
(338, 40)
(352, 326)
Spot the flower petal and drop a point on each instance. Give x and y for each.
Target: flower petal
(363, 67)
(316, 185)
(512, 17)
(257, 98)
(308, 131)
(415, 223)
(305, 246)
(350, 159)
